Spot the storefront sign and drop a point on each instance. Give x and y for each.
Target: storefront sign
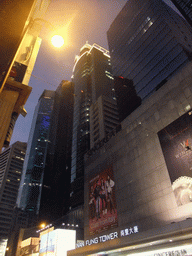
(110, 236)
(129, 231)
(172, 253)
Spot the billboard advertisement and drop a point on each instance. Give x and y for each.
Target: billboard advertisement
(102, 202)
(57, 242)
(176, 144)
(48, 243)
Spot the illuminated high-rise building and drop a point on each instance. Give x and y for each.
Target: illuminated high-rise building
(11, 165)
(92, 78)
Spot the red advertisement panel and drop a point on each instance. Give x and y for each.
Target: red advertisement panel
(102, 202)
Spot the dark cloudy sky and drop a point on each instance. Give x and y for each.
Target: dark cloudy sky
(77, 21)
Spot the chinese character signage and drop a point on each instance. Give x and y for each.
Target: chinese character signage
(102, 202)
(104, 238)
(129, 231)
(176, 143)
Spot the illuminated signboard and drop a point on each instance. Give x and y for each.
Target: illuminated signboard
(184, 250)
(176, 143)
(173, 251)
(57, 242)
(104, 238)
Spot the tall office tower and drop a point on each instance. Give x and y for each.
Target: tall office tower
(11, 164)
(185, 8)
(104, 117)
(56, 181)
(44, 190)
(149, 43)
(92, 78)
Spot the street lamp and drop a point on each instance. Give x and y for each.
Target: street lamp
(57, 41)
(14, 81)
(30, 234)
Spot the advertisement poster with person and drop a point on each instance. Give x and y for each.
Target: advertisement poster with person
(102, 202)
(176, 143)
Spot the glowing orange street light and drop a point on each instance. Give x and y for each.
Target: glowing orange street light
(42, 225)
(57, 41)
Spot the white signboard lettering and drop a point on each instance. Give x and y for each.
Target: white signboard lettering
(101, 239)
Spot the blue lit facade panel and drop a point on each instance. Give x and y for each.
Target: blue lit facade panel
(34, 170)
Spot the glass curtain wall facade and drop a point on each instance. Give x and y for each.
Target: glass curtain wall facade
(33, 171)
(56, 182)
(148, 43)
(185, 8)
(45, 185)
(92, 77)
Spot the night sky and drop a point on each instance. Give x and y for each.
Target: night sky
(77, 21)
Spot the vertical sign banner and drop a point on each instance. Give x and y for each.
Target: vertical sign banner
(176, 144)
(102, 202)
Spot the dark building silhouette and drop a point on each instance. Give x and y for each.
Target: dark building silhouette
(92, 78)
(149, 43)
(44, 189)
(185, 8)
(126, 96)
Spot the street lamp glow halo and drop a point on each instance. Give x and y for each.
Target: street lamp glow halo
(57, 41)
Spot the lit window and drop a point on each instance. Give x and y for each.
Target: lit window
(150, 23)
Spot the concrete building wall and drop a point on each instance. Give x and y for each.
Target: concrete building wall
(143, 188)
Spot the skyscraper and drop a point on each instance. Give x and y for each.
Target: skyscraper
(148, 43)
(92, 78)
(43, 189)
(11, 165)
(185, 8)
